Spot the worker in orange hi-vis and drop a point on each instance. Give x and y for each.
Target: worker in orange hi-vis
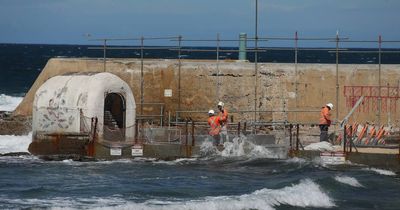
(223, 114)
(215, 126)
(325, 121)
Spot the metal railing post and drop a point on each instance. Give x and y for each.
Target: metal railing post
(136, 131)
(238, 129)
(351, 138)
(290, 136)
(162, 115)
(187, 131)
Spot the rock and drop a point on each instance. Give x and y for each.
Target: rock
(16, 154)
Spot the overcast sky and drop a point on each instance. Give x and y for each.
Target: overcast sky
(68, 21)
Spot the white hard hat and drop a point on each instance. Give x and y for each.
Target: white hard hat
(211, 112)
(221, 103)
(330, 105)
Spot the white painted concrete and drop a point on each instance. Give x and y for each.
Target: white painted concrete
(59, 101)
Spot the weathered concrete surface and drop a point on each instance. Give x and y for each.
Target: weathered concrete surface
(57, 144)
(170, 151)
(276, 89)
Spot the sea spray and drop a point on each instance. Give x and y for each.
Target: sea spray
(9, 103)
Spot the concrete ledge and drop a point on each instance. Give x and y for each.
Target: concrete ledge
(383, 161)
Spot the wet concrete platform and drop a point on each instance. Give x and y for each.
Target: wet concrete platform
(378, 160)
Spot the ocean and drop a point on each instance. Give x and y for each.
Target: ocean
(216, 180)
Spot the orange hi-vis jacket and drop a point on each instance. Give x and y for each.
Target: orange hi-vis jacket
(325, 118)
(224, 117)
(215, 125)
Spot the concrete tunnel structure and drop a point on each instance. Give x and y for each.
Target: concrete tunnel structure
(65, 105)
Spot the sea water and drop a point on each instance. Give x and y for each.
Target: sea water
(220, 180)
(231, 179)
(228, 179)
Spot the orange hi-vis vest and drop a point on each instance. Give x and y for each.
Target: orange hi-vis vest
(224, 117)
(325, 118)
(215, 125)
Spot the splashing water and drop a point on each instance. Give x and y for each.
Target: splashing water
(240, 147)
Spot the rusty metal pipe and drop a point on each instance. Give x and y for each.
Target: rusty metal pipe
(187, 131)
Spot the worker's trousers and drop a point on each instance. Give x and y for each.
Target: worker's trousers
(224, 134)
(324, 133)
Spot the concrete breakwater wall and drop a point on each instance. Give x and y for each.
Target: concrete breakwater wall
(201, 87)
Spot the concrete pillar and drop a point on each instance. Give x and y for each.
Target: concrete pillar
(242, 46)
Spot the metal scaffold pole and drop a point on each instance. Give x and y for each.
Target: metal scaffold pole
(255, 66)
(296, 39)
(337, 76)
(104, 54)
(179, 73)
(379, 80)
(141, 75)
(218, 79)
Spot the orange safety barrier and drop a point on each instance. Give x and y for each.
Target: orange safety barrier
(349, 133)
(380, 133)
(355, 127)
(371, 135)
(362, 133)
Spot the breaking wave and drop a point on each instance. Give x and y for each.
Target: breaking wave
(9, 103)
(294, 196)
(348, 180)
(382, 171)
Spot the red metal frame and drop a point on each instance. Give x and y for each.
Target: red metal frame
(389, 97)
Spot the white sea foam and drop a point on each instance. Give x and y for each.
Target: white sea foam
(320, 146)
(304, 194)
(11, 143)
(382, 171)
(296, 160)
(348, 180)
(9, 103)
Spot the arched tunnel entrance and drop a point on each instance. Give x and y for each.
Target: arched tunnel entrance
(114, 117)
